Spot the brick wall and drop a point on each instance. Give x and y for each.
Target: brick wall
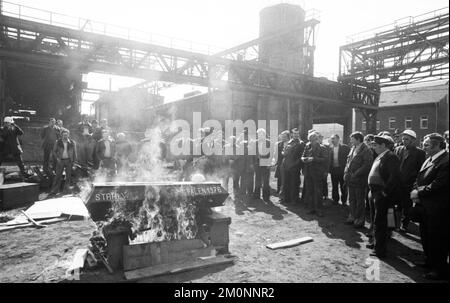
(435, 112)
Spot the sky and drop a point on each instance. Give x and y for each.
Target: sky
(224, 23)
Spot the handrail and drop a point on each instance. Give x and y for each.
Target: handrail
(409, 20)
(24, 12)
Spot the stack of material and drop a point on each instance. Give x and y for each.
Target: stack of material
(49, 211)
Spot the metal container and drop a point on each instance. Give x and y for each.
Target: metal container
(103, 195)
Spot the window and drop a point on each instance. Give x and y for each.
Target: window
(391, 123)
(378, 125)
(363, 125)
(424, 122)
(408, 122)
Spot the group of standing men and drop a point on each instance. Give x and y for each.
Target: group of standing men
(399, 175)
(94, 147)
(380, 172)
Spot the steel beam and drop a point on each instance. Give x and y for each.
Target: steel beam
(90, 52)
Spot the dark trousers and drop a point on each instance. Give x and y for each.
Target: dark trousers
(85, 150)
(262, 176)
(109, 166)
(236, 179)
(325, 187)
(434, 233)
(313, 192)
(357, 203)
(337, 182)
(290, 186)
(64, 164)
(405, 203)
(279, 184)
(17, 159)
(380, 228)
(47, 157)
(247, 182)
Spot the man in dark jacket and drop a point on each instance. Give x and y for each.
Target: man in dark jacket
(315, 159)
(290, 168)
(105, 150)
(262, 166)
(431, 199)
(65, 154)
(356, 170)
(123, 151)
(284, 139)
(338, 159)
(84, 144)
(383, 182)
(49, 134)
(12, 149)
(97, 135)
(411, 160)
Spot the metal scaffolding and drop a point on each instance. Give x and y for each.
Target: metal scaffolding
(52, 46)
(412, 50)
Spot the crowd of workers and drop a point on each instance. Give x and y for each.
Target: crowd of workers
(388, 174)
(380, 172)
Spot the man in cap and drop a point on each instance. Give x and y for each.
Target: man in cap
(411, 160)
(291, 166)
(12, 148)
(431, 199)
(356, 170)
(383, 183)
(315, 158)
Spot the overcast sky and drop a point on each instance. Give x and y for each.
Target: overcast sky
(225, 23)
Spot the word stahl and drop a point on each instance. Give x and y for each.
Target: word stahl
(125, 195)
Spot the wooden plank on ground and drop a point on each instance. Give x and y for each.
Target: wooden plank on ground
(171, 268)
(49, 221)
(290, 243)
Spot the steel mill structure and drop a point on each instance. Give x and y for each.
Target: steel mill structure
(71, 49)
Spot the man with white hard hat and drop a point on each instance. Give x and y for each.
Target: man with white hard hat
(12, 149)
(411, 160)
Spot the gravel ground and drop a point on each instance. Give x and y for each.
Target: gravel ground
(337, 254)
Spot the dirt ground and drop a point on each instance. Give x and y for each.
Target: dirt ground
(337, 254)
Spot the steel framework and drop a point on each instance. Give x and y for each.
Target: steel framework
(413, 50)
(52, 46)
